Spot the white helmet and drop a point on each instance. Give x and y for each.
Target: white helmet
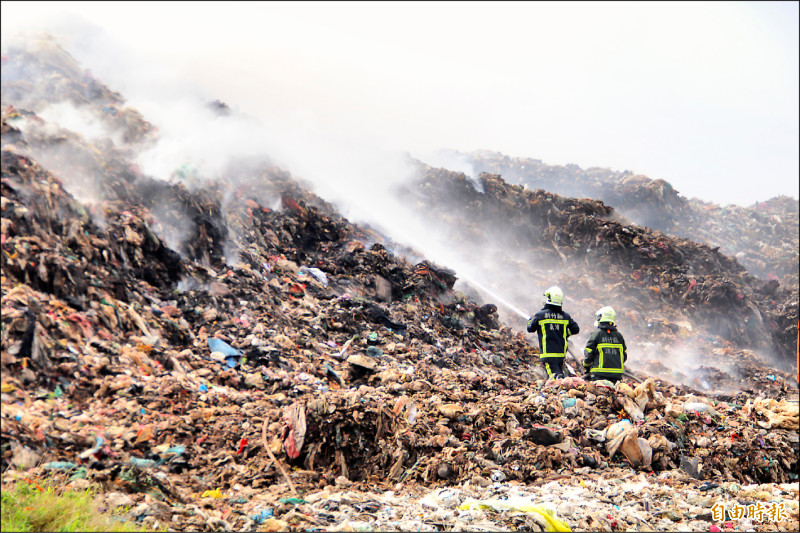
(554, 295)
(605, 314)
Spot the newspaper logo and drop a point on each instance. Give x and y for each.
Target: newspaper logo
(761, 512)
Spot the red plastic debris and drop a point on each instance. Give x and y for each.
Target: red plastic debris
(242, 445)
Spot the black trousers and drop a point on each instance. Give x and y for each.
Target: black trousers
(554, 367)
(613, 378)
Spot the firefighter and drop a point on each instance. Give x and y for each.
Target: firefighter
(605, 350)
(553, 325)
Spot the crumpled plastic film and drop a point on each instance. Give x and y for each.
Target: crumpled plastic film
(519, 504)
(780, 414)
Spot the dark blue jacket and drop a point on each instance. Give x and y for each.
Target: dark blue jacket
(605, 352)
(553, 326)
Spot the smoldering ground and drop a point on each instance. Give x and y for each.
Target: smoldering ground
(369, 184)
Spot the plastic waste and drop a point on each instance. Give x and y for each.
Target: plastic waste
(373, 351)
(261, 516)
(219, 345)
(498, 476)
(142, 463)
(99, 441)
(317, 273)
(568, 402)
(617, 428)
(216, 493)
(294, 501)
(780, 414)
(595, 434)
(441, 498)
(696, 406)
(242, 445)
(411, 414)
(692, 466)
(525, 505)
(175, 450)
(59, 465)
(331, 373)
(81, 473)
(544, 436)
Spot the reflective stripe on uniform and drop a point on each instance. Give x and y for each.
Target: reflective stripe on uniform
(543, 326)
(600, 350)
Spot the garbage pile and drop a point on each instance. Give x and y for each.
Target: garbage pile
(762, 237)
(697, 290)
(276, 367)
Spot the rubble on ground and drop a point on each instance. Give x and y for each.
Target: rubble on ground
(279, 368)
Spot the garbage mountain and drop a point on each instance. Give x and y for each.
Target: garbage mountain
(229, 352)
(762, 237)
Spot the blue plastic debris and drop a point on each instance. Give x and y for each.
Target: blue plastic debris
(219, 345)
(142, 463)
(59, 465)
(263, 515)
(177, 450)
(374, 351)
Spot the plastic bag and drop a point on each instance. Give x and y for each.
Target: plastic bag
(553, 523)
(317, 273)
(219, 345)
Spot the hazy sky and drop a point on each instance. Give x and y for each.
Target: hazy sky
(702, 94)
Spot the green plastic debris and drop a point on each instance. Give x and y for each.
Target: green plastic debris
(294, 501)
(81, 473)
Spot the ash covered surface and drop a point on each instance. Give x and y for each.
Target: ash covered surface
(229, 352)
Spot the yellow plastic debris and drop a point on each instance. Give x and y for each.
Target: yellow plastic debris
(216, 493)
(519, 504)
(7, 387)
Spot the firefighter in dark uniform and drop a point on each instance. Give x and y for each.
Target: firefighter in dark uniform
(605, 350)
(553, 326)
